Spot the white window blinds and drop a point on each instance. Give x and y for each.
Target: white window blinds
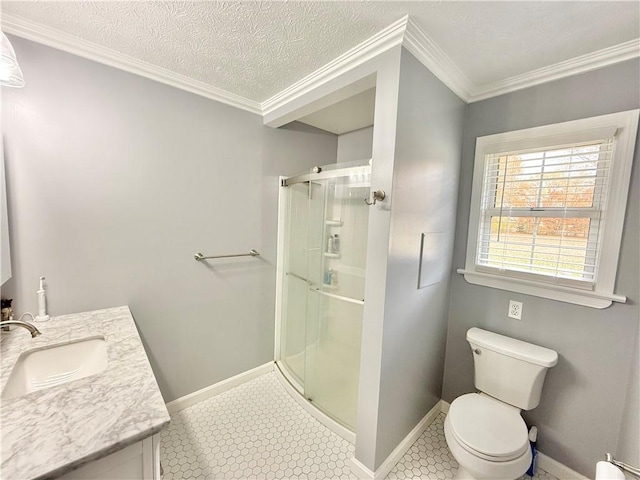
(547, 209)
(543, 210)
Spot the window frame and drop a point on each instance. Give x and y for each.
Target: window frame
(625, 126)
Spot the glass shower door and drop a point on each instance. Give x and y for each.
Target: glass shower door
(303, 266)
(295, 286)
(323, 287)
(336, 296)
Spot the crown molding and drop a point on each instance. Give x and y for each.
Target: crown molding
(37, 32)
(437, 61)
(584, 63)
(407, 33)
(379, 43)
(403, 32)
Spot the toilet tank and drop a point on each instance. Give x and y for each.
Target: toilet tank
(510, 370)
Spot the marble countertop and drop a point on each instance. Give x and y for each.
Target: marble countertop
(49, 432)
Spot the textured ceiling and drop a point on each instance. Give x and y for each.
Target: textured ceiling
(256, 49)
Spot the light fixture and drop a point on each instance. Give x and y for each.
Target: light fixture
(10, 73)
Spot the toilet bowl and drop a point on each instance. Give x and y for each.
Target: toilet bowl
(487, 437)
(485, 431)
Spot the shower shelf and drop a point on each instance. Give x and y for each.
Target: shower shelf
(332, 255)
(334, 223)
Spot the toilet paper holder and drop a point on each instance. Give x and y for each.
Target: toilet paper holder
(621, 465)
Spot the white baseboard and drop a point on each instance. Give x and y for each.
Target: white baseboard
(359, 470)
(557, 469)
(217, 388)
(394, 457)
(546, 463)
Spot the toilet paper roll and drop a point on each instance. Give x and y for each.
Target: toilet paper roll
(608, 471)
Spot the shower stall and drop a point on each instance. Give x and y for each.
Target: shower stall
(324, 223)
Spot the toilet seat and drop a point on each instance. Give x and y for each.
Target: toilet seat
(488, 428)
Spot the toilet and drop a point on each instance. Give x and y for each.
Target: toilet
(485, 431)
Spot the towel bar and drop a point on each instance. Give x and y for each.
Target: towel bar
(252, 253)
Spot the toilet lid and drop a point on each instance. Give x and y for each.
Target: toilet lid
(488, 426)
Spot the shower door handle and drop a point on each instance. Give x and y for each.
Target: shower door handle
(338, 297)
(298, 277)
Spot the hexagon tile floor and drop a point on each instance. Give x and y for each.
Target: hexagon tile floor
(257, 431)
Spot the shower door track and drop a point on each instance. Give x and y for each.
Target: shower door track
(341, 172)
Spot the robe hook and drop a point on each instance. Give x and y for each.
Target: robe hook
(378, 195)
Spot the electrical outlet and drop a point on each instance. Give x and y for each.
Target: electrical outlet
(515, 309)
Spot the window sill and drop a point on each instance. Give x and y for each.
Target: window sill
(563, 294)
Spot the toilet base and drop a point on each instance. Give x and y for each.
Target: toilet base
(463, 474)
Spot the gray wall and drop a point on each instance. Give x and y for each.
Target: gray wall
(356, 145)
(579, 418)
(628, 449)
(425, 185)
(114, 181)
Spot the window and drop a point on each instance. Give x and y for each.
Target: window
(547, 209)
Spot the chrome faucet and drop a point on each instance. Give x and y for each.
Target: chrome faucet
(32, 329)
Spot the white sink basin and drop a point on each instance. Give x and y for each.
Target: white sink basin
(55, 365)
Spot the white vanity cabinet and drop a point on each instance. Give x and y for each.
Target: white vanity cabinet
(117, 416)
(140, 461)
